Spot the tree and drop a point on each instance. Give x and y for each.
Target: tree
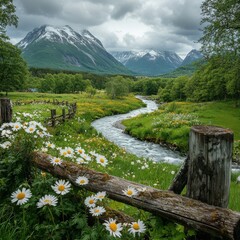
(117, 87)
(13, 69)
(221, 33)
(7, 16)
(221, 37)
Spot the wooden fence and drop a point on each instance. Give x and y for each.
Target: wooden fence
(55, 119)
(206, 173)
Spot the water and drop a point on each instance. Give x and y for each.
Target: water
(108, 127)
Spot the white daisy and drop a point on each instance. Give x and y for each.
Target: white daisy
(61, 187)
(21, 196)
(49, 200)
(80, 161)
(80, 150)
(100, 195)
(5, 145)
(102, 160)
(16, 126)
(30, 129)
(81, 180)
(113, 227)
(90, 201)
(130, 191)
(97, 211)
(86, 157)
(56, 161)
(50, 145)
(137, 227)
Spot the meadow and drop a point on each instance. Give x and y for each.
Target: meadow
(78, 133)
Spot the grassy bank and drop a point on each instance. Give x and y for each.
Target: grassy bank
(171, 123)
(78, 132)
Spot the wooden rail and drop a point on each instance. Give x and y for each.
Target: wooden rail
(55, 119)
(192, 213)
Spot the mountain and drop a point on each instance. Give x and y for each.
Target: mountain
(191, 57)
(63, 48)
(149, 63)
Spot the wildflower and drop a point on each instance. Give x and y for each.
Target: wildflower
(97, 211)
(16, 126)
(49, 200)
(80, 161)
(21, 196)
(56, 161)
(81, 180)
(130, 191)
(86, 157)
(172, 172)
(61, 187)
(100, 195)
(50, 145)
(80, 150)
(113, 227)
(90, 202)
(137, 227)
(30, 129)
(102, 160)
(5, 145)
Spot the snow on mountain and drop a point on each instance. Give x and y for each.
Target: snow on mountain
(149, 62)
(63, 48)
(191, 57)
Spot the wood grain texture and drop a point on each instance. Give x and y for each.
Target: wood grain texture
(189, 212)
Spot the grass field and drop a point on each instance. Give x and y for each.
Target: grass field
(78, 132)
(171, 123)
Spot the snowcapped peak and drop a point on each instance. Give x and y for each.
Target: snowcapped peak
(63, 34)
(86, 34)
(153, 53)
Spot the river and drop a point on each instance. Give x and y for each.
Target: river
(108, 127)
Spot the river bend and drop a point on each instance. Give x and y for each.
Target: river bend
(155, 152)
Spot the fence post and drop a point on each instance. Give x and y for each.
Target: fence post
(63, 114)
(53, 115)
(209, 170)
(5, 110)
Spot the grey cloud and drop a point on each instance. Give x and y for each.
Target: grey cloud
(43, 7)
(124, 7)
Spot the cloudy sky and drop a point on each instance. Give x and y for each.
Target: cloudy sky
(120, 24)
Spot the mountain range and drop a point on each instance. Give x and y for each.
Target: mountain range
(65, 49)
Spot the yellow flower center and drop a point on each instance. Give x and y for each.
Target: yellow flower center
(102, 160)
(113, 226)
(57, 160)
(47, 201)
(80, 150)
(96, 211)
(61, 187)
(135, 226)
(129, 192)
(16, 126)
(82, 181)
(91, 201)
(64, 153)
(69, 151)
(31, 129)
(21, 195)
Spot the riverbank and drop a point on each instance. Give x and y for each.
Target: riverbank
(171, 123)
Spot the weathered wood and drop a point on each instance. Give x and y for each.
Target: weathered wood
(5, 110)
(210, 158)
(189, 212)
(53, 115)
(180, 180)
(63, 114)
